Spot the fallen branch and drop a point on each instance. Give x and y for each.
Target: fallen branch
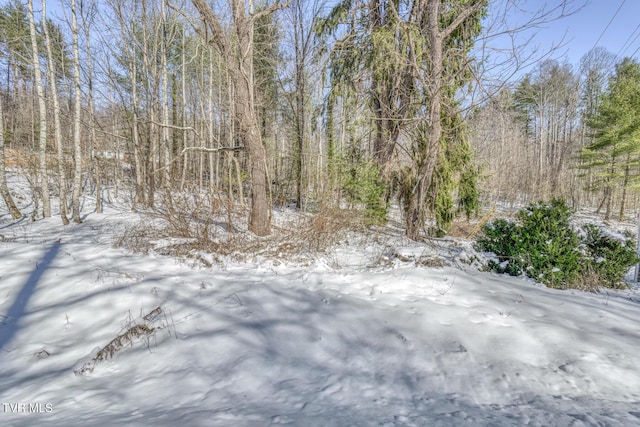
(140, 330)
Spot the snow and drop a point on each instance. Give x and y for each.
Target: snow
(393, 333)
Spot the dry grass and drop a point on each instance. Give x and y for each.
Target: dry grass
(203, 229)
(298, 239)
(461, 228)
(590, 281)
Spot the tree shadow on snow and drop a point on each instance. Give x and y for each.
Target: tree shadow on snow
(10, 325)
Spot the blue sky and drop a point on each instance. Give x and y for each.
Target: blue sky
(584, 28)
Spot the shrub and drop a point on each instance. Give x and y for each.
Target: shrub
(550, 245)
(502, 238)
(364, 185)
(543, 245)
(609, 257)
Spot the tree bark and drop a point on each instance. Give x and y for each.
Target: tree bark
(56, 119)
(95, 160)
(625, 183)
(300, 87)
(77, 111)
(434, 84)
(4, 189)
(415, 213)
(240, 64)
(42, 106)
(166, 141)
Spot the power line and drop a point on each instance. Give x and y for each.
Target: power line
(627, 44)
(610, 21)
(634, 52)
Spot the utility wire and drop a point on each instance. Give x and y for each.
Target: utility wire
(629, 42)
(610, 21)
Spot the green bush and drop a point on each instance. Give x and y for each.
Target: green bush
(543, 245)
(364, 185)
(609, 257)
(503, 238)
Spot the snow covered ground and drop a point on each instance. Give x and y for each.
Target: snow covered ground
(345, 341)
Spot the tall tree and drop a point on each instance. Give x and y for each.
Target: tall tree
(415, 54)
(450, 29)
(88, 11)
(57, 126)
(268, 93)
(77, 112)
(616, 124)
(302, 20)
(595, 66)
(129, 60)
(43, 176)
(239, 62)
(4, 189)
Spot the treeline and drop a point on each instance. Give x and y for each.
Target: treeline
(362, 102)
(564, 131)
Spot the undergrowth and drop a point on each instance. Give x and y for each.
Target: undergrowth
(194, 228)
(544, 246)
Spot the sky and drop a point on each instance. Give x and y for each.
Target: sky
(612, 24)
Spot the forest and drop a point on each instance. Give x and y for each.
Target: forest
(315, 213)
(238, 107)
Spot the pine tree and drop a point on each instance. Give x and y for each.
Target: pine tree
(615, 152)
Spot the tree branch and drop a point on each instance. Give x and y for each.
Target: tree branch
(187, 18)
(463, 16)
(211, 20)
(275, 6)
(212, 150)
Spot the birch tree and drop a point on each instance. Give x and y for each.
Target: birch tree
(43, 178)
(57, 126)
(88, 11)
(77, 112)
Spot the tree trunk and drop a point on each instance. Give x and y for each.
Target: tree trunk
(429, 155)
(249, 133)
(166, 141)
(150, 73)
(56, 120)
(4, 189)
(433, 81)
(240, 64)
(140, 196)
(42, 172)
(95, 160)
(300, 88)
(300, 122)
(77, 109)
(625, 183)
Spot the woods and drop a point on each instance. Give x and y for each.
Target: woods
(365, 104)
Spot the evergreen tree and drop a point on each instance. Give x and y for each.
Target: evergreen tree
(414, 57)
(615, 152)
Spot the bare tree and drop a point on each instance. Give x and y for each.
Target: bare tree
(131, 58)
(57, 127)
(88, 12)
(240, 64)
(302, 16)
(4, 189)
(77, 117)
(43, 177)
